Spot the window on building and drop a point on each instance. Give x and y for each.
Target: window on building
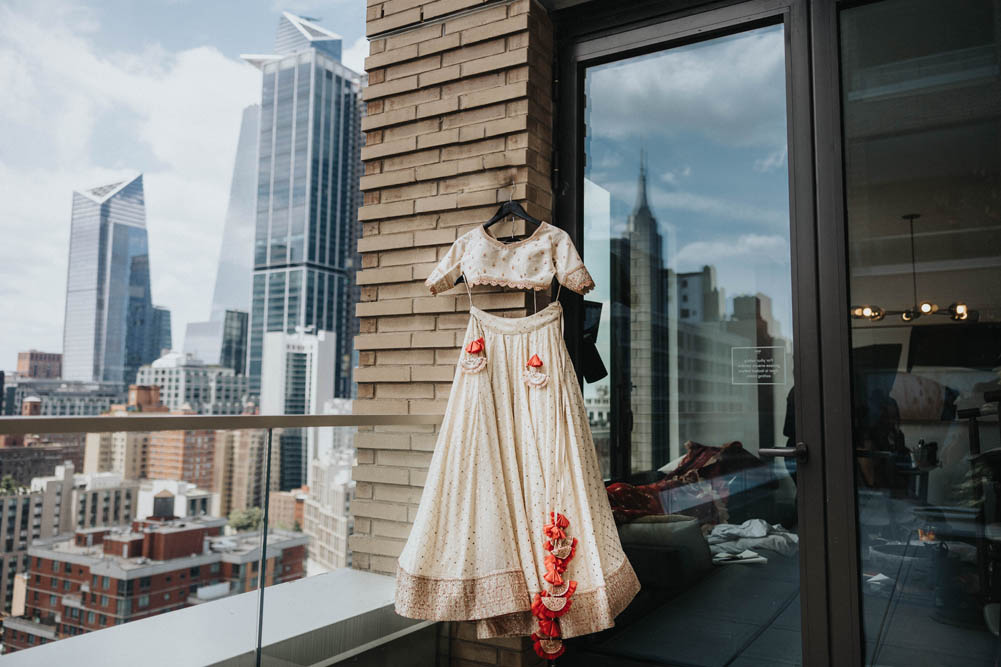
(143, 601)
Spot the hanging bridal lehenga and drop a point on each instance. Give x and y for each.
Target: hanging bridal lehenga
(514, 530)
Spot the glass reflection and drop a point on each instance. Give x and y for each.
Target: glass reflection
(686, 231)
(922, 133)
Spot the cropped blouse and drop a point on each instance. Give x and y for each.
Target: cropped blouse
(529, 263)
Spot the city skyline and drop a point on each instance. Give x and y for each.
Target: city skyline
(101, 101)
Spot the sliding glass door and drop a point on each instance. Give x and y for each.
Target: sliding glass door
(696, 224)
(921, 109)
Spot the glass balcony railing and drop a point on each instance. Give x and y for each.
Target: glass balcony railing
(229, 534)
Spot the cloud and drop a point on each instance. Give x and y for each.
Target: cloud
(81, 116)
(354, 56)
(663, 201)
(730, 90)
(774, 160)
(753, 249)
(673, 176)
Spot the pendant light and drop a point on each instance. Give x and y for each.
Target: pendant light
(957, 311)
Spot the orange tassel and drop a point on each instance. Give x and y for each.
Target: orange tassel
(558, 564)
(549, 627)
(476, 346)
(534, 362)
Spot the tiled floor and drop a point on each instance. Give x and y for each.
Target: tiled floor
(749, 616)
(739, 615)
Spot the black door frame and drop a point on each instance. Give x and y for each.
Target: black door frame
(602, 32)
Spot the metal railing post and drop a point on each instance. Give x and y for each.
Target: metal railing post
(264, 550)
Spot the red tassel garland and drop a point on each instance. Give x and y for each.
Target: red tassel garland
(540, 643)
(546, 607)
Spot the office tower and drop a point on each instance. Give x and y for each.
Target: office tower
(160, 335)
(40, 365)
(188, 384)
(233, 353)
(220, 342)
(232, 280)
(307, 194)
(222, 339)
(109, 312)
(296, 380)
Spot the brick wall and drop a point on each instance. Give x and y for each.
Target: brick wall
(459, 119)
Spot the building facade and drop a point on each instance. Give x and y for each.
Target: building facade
(108, 331)
(239, 469)
(327, 518)
(175, 498)
(99, 578)
(41, 365)
(124, 452)
(64, 398)
(296, 381)
(307, 194)
(56, 504)
(183, 455)
(186, 383)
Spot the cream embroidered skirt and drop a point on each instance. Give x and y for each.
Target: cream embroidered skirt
(514, 514)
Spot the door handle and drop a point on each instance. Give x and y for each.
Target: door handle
(799, 452)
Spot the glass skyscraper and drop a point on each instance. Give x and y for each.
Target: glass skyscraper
(222, 339)
(233, 275)
(109, 328)
(161, 338)
(307, 194)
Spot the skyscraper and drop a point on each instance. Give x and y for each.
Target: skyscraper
(296, 381)
(222, 339)
(221, 342)
(645, 292)
(160, 335)
(236, 254)
(108, 326)
(307, 194)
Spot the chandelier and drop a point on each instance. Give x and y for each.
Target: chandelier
(957, 311)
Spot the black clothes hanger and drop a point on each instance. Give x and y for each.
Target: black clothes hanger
(511, 207)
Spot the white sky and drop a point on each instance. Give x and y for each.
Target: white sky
(94, 91)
